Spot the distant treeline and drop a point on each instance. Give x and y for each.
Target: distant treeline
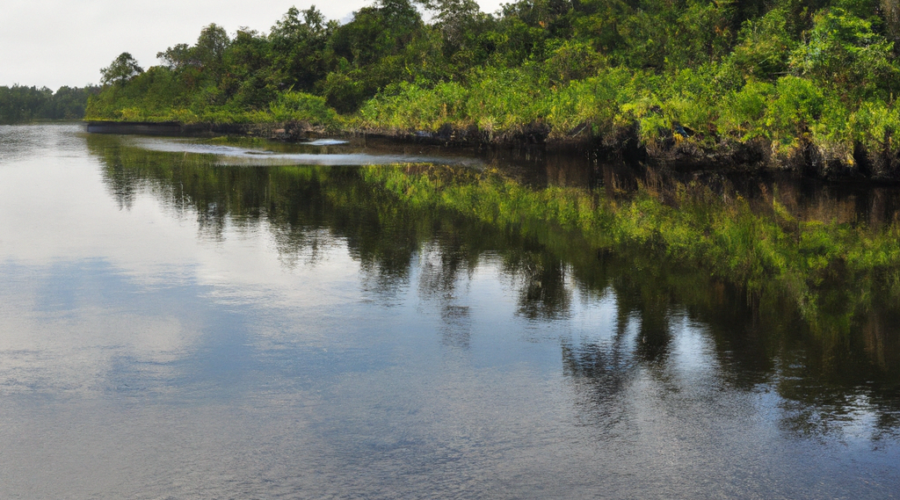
(24, 104)
(814, 80)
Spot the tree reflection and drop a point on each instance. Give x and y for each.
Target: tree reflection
(825, 378)
(541, 281)
(445, 263)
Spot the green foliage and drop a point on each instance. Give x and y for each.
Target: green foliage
(381, 45)
(248, 82)
(208, 53)
(662, 34)
(297, 106)
(599, 101)
(699, 74)
(844, 53)
(876, 126)
(504, 100)
(122, 69)
(345, 90)
(463, 31)
(23, 104)
(797, 104)
(764, 46)
(298, 48)
(572, 60)
(411, 107)
(744, 111)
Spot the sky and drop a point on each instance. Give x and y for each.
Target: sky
(64, 42)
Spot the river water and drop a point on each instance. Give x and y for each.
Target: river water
(175, 323)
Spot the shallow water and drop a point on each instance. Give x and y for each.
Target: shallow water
(172, 327)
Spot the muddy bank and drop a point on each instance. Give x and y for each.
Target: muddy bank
(679, 149)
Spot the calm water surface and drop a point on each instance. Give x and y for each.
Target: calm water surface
(175, 324)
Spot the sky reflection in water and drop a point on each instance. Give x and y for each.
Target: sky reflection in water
(177, 329)
(329, 152)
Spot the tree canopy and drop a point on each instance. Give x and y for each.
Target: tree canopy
(122, 69)
(24, 104)
(726, 69)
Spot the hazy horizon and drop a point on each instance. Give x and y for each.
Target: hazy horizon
(52, 43)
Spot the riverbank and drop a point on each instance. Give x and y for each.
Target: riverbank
(677, 152)
(687, 84)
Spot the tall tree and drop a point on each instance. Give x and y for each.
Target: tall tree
(122, 69)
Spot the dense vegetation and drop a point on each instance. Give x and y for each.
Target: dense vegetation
(773, 81)
(24, 104)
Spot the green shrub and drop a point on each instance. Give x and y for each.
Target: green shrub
(845, 54)
(796, 105)
(743, 111)
(764, 46)
(875, 126)
(298, 106)
(409, 106)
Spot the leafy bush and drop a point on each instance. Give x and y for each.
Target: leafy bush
(297, 106)
(764, 46)
(410, 106)
(875, 126)
(845, 54)
(796, 105)
(744, 110)
(572, 60)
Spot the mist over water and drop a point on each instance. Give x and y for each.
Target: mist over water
(176, 327)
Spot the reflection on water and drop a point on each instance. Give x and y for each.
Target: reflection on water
(320, 152)
(172, 327)
(807, 199)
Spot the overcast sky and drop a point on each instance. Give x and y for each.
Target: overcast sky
(65, 42)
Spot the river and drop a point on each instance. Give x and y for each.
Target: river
(202, 319)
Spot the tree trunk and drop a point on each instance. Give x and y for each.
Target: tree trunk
(891, 10)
